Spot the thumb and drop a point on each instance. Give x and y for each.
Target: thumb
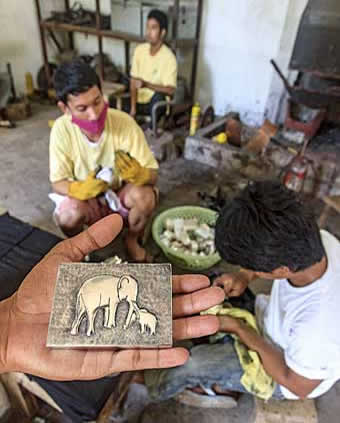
(95, 237)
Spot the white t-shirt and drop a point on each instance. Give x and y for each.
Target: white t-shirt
(304, 323)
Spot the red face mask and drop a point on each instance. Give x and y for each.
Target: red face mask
(94, 127)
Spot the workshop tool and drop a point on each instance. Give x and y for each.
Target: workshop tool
(13, 91)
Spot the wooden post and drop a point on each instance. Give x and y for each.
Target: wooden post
(127, 56)
(43, 43)
(100, 40)
(70, 34)
(196, 49)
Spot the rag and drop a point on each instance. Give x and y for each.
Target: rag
(130, 170)
(90, 188)
(254, 379)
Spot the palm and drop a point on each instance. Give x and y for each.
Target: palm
(29, 311)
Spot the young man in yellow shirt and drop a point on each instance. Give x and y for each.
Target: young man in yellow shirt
(89, 135)
(154, 68)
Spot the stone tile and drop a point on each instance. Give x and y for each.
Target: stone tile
(275, 411)
(86, 296)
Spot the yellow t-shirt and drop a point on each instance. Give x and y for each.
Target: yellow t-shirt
(73, 156)
(160, 69)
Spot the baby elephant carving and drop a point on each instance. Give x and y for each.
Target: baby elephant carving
(147, 321)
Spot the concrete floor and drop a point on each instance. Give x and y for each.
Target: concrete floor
(24, 187)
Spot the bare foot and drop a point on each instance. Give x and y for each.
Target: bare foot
(136, 252)
(217, 390)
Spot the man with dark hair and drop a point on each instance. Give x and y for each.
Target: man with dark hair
(90, 136)
(154, 67)
(269, 233)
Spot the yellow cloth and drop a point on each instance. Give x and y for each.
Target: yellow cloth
(160, 69)
(255, 379)
(73, 157)
(90, 188)
(130, 170)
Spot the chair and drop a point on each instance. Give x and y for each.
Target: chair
(178, 102)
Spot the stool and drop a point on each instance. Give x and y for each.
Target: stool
(330, 203)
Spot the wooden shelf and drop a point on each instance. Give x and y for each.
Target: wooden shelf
(48, 25)
(57, 26)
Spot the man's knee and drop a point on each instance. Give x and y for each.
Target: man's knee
(143, 198)
(70, 220)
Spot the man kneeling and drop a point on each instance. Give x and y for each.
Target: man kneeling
(90, 136)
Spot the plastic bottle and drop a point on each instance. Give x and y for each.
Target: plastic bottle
(29, 84)
(295, 176)
(195, 117)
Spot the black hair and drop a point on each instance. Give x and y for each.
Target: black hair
(74, 78)
(267, 226)
(160, 17)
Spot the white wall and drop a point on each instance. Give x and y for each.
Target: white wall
(19, 37)
(238, 39)
(277, 99)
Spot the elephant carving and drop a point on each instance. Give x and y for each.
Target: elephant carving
(147, 321)
(105, 291)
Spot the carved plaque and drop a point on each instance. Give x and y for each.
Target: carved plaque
(103, 305)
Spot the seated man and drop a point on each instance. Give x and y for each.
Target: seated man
(90, 135)
(154, 68)
(269, 233)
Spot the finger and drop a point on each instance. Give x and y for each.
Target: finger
(186, 305)
(183, 284)
(226, 285)
(95, 237)
(227, 324)
(97, 364)
(120, 163)
(124, 159)
(194, 327)
(151, 359)
(234, 293)
(123, 168)
(222, 279)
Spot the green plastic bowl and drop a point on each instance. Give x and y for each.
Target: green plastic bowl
(183, 260)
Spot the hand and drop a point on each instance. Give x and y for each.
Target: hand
(139, 83)
(130, 170)
(229, 324)
(24, 318)
(90, 188)
(234, 284)
(97, 210)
